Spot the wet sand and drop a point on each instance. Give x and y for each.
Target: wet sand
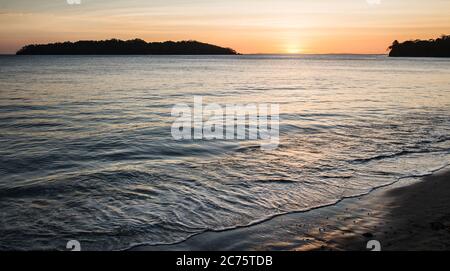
(409, 215)
(414, 217)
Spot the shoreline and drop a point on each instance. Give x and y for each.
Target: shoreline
(410, 214)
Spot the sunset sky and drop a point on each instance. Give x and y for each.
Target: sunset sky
(249, 26)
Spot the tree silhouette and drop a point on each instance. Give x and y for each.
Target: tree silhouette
(439, 47)
(129, 47)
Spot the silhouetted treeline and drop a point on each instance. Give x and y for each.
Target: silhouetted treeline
(439, 47)
(129, 47)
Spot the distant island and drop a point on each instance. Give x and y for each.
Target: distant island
(129, 47)
(439, 47)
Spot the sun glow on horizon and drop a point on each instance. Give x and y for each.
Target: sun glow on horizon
(294, 50)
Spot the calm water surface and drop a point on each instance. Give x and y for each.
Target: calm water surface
(86, 151)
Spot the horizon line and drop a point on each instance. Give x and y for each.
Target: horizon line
(305, 52)
(242, 54)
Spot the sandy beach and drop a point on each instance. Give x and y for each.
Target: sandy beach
(409, 218)
(412, 214)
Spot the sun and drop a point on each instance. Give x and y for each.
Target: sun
(293, 50)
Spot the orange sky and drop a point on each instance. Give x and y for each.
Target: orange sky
(249, 26)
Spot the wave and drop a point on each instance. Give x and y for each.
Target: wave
(268, 218)
(388, 156)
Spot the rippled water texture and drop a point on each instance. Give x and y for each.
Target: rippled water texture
(86, 151)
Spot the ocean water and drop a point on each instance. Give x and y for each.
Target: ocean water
(86, 151)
